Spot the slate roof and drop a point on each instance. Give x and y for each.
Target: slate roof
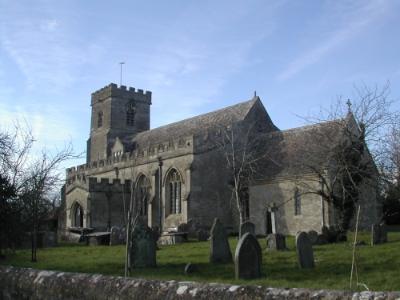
(221, 117)
(292, 152)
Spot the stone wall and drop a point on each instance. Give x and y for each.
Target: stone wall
(20, 283)
(280, 193)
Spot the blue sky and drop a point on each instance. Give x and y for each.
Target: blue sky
(195, 56)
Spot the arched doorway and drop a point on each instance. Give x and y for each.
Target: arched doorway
(77, 217)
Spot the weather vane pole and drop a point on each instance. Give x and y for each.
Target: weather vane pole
(120, 75)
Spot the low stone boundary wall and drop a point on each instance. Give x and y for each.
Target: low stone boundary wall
(21, 283)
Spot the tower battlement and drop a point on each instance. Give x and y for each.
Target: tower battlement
(115, 91)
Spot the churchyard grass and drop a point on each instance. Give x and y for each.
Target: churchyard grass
(378, 266)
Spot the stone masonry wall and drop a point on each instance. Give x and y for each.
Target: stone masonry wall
(21, 283)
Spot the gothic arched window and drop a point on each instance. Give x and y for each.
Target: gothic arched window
(130, 115)
(100, 119)
(142, 194)
(297, 202)
(77, 216)
(174, 185)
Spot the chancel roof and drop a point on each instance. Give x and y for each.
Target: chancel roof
(300, 150)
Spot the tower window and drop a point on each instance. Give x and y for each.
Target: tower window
(99, 119)
(297, 202)
(130, 115)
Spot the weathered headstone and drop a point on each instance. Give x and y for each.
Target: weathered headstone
(220, 252)
(190, 268)
(313, 236)
(378, 234)
(276, 241)
(248, 257)
(304, 251)
(115, 238)
(247, 227)
(325, 233)
(192, 228)
(384, 237)
(143, 248)
(322, 240)
(202, 235)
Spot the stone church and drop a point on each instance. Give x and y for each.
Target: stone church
(177, 175)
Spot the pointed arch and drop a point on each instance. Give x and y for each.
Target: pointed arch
(173, 191)
(142, 193)
(173, 169)
(77, 214)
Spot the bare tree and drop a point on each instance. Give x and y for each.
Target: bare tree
(344, 146)
(31, 182)
(241, 144)
(42, 177)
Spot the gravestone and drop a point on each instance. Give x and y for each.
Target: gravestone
(384, 237)
(220, 252)
(190, 268)
(313, 236)
(202, 235)
(248, 257)
(276, 241)
(304, 251)
(321, 240)
(247, 227)
(378, 234)
(115, 236)
(143, 248)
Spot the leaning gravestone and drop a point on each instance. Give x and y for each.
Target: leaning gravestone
(375, 234)
(115, 233)
(220, 252)
(247, 227)
(378, 234)
(304, 251)
(143, 248)
(276, 241)
(248, 257)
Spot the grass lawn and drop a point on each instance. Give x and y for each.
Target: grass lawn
(378, 266)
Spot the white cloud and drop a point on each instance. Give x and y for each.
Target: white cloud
(49, 25)
(354, 22)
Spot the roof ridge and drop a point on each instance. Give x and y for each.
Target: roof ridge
(227, 108)
(311, 126)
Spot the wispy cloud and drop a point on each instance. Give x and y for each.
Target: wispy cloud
(354, 22)
(50, 127)
(198, 68)
(44, 49)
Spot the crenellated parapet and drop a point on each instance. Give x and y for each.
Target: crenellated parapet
(114, 91)
(138, 156)
(106, 185)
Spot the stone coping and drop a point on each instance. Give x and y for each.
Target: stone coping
(25, 283)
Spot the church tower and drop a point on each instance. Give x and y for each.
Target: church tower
(116, 112)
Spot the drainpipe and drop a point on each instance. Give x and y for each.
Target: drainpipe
(160, 164)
